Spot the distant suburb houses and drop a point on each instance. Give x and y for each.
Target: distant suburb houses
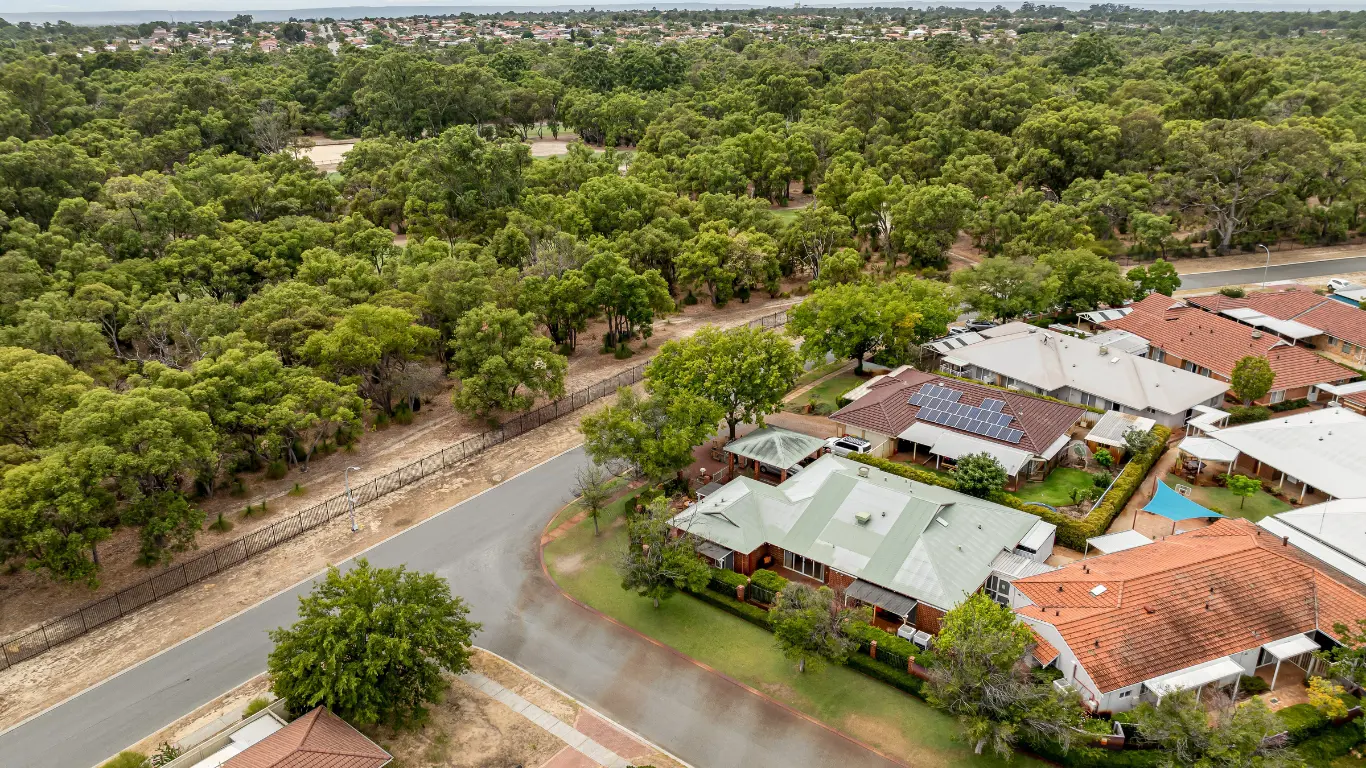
(910, 550)
(1196, 610)
(1211, 344)
(1096, 372)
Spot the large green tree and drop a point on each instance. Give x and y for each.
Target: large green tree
(372, 644)
(501, 362)
(654, 435)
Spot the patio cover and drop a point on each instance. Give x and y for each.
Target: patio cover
(1117, 542)
(1209, 418)
(1291, 647)
(1175, 507)
(713, 550)
(885, 599)
(1111, 428)
(952, 445)
(776, 447)
(1208, 449)
(1194, 677)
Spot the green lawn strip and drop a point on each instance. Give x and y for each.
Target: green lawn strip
(1056, 489)
(826, 393)
(890, 720)
(820, 372)
(574, 507)
(1258, 506)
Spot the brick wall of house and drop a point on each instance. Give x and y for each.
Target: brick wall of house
(753, 561)
(838, 581)
(927, 619)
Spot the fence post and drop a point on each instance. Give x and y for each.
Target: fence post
(872, 648)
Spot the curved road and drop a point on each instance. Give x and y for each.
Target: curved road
(1249, 275)
(487, 547)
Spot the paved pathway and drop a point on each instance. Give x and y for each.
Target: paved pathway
(1249, 275)
(487, 548)
(547, 722)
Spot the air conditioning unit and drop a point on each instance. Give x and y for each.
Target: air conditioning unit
(862, 518)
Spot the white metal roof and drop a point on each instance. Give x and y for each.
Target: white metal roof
(1038, 535)
(1102, 315)
(1118, 542)
(1333, 532)
(1322, 448)
(949, 343)
(1208, 449)
(1121, 341)
(952, 445)
(1288, 328)
(1209, 418)
(1051, 361)
(1338, 390)
(1194, 677)
(1057, 445)
(1014, 566)
(1291, 647)
(1114, 425)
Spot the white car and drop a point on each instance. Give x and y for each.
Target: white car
(843, 446)
(1339, 284)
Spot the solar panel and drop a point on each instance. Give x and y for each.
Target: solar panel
(991, 404)
(1012, 435)
(952, 394)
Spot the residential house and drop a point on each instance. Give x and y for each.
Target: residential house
(1332, 327)
(1322, 451)
(1198, 609)
(911, 550)
(1190, 338)
(266, 739)
(1087, 373)
(942, 418)
(1333, 532)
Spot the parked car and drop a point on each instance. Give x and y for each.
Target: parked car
(980, 325)
(843, 446)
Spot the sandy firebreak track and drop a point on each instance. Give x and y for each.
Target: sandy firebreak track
(31, 686)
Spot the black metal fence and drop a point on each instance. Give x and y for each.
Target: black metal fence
(80, 621)
(884, 656)
(757, 594)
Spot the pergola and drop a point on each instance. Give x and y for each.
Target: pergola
(778, 448)
(1288, 648)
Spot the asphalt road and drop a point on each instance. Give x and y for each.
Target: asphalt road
(1250, 275)
(487, 548)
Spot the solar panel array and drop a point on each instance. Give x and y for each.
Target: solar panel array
(939, 405)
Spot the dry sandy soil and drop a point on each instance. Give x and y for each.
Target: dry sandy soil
(33, 685)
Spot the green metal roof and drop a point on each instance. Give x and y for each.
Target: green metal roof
(922, 541)
(781, 448)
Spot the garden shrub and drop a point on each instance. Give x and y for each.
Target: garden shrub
(1302, 721)
(751, 613)
(728, 578)
(1247, 414)
(885, 640)
(1323, 750)
(276, 469)
(768, 580)
(1289, 405)
(127, 760)
(255, 705)
(1253, 685)
(403, 414)
(890, 675)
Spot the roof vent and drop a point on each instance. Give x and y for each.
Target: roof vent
(1256, 334)
(862, 471)
(1104, 350)
(1097, 590)
(942, 521)
(862, 518)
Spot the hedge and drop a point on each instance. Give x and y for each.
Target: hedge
(884, 639)
(768, 580)
(728, 578)
(751, 613)
(1323, 750)
(890, 675)
(1303, 721)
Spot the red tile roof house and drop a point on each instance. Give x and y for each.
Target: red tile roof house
(1198, 609)
(1026, 434)
(1341, 328)
(1188, 337)
(318, 739)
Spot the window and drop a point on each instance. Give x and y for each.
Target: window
(1126, 694)
(804, 566)
(1278, 396)
(997, 589)
(1160, 355)
(1189, 366)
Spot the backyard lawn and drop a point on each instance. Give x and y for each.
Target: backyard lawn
(878, 714)
(825, 394)
(1056, 489)
(1222, 500)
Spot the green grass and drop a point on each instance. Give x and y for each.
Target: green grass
(1258, 506)
(614, 509)
(1056, 489)
(786, 214)
(876, 713)
(819, 372)
(825, 394)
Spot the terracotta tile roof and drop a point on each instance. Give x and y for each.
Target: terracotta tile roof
(319, 739)
(886, 409)
(1043, 651)
(1333, 317)
(1218, 343)
(1186, 600)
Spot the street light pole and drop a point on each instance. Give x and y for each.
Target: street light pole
(350, 500)
(1268, 263)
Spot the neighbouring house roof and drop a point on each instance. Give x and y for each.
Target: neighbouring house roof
(922, 541)
(775, 447)
(886, 409)
(318, 739)
(1017, 566)
(1118, 542)
(1323, 448)
(1333, 532)
(1043, 651)
(1051, 361)
(1218, 343)
(1321, 313)
(1122, 341)
(1183, 601)
(1114, 425)
(1208, 449)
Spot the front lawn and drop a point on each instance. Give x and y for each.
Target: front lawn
(825, 394)
(1222, 500)
(878, 714)
(1056, 489)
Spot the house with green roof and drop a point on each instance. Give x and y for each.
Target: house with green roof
(912, 551)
